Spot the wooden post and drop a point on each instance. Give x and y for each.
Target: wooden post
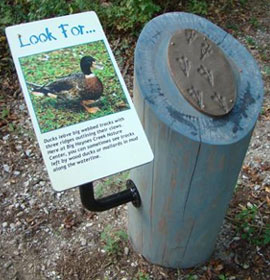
(185, 191)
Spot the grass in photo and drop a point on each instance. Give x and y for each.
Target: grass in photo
(72, 85)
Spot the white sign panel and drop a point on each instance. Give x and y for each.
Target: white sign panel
(83, 117)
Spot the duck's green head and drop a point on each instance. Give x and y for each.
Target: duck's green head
(88, 63)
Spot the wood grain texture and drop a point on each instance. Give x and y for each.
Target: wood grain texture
(185, 191)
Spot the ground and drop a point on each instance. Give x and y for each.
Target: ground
(49, 235)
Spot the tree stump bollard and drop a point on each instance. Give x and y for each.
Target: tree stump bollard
(198, 103)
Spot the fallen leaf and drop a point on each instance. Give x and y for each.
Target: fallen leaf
(219, 267)
(268, 200)
(69, 221)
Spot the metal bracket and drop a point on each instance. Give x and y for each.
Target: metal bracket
(131, 194)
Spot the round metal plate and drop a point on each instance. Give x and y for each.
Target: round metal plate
(201, 72)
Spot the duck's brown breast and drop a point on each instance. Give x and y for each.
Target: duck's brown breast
(93, 88)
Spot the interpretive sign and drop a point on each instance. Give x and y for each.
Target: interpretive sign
(82, 114)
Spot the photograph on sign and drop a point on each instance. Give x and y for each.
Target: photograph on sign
(84, 119)
(71, 85)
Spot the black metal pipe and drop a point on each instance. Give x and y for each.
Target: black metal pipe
(131, 194)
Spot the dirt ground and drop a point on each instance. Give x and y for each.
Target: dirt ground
(49, 235)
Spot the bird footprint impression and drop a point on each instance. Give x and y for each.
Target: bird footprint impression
(82, 114)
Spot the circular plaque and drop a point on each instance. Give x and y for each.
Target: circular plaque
(201, 72)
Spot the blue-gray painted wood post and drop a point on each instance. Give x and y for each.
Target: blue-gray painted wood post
(185, 191)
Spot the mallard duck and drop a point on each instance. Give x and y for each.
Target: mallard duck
(85, 87)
